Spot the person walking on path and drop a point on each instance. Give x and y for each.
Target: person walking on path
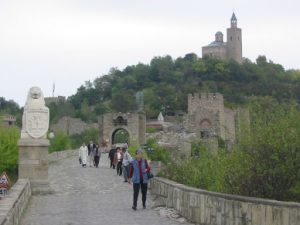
(83, 154)
(79, 155)
(91, 150)
(97, 156)
(111, 156)
(139, 170)
(118, 158)
(127, 159)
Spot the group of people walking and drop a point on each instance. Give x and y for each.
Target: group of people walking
(89, 154)
(136, 171)
(120, 159)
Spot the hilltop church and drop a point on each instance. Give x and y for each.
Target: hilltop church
(232, 49)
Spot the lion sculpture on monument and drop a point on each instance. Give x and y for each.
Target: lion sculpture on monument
(35, 120)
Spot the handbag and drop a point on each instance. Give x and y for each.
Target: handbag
(150, 175)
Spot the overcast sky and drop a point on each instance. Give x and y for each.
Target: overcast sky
(71, 41)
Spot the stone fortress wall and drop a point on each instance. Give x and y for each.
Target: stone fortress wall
(72, 126)
(133, 123)
(206, 112)
(208, 117)
(207, 120)
(55, 100)
(7, 120)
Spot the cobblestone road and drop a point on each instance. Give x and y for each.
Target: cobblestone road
(89, 196)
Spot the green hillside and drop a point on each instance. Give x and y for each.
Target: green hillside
(166, 82)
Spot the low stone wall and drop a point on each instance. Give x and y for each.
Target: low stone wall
(12, 206)
(61, 155)
(210, 208)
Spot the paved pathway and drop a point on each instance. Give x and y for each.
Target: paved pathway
(89, 196)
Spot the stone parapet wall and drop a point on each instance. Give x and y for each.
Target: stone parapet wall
(62, 155)
(210, 208)
(12, 206)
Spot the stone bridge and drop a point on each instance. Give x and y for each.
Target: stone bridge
(87, 196)
(99, 196)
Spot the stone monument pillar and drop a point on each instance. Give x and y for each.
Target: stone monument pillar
(33, 144)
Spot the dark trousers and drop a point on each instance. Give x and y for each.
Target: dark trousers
(112, 165)
(126, 172)
(136, 190)
(119, 168)
(96, 160)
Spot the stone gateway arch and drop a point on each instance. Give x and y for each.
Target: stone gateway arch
(132, 123)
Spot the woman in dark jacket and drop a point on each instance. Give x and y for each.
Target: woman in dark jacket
(139, 170)
(97, 156)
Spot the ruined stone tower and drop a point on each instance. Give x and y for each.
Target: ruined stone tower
(206, 115)
(210, 120)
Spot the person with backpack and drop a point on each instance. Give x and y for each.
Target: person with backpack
(139, 172)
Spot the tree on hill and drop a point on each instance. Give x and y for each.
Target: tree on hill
(166, 82)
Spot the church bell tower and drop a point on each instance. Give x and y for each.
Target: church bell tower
(234, 41)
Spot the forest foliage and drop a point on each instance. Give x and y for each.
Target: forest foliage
(166, 82)
(9, 151)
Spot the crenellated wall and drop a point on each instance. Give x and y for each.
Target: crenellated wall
(211, 208)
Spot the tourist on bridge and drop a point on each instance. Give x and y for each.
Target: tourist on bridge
(83, 151)
(97, 156)
(118, 158)
(111, 156)
(127, 159)
(139, 171)
(79, 155)
(91, 152)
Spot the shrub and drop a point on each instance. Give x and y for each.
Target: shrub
(132, 150)
(205, 172)
(267, 162)
(85, 137)
(60, 142)
(151, 130)
(157, 153)
(9, 151)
